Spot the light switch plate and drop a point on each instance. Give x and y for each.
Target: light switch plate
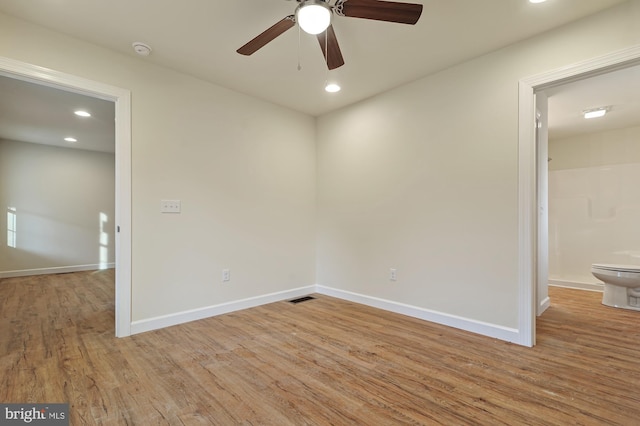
(169, 206)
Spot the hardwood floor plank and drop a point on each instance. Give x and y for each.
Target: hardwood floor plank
(320, 362)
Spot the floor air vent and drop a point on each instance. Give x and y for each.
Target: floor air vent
(301, 299)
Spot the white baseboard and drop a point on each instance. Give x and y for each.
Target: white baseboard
(55, 270)
(210, 311)
(543, 306)
(486, 329)
(140, 326)
(577, 285)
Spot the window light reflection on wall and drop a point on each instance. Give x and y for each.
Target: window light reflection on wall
(103, 238)
(12, 220)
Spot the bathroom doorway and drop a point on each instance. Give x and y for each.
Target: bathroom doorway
(593, 170)
(528, 172)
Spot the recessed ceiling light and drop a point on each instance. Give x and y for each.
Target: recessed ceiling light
(70, 139)
(332, 87)
(595, 112)
(537, 1)
(82, 113)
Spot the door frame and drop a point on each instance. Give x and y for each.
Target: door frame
(122, 99)
(528, 172)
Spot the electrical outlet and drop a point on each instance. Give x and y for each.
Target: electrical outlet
(393, 274)
(226, 275)
(169, 206)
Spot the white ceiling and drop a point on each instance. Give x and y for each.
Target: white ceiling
(200, 37)
(618, 90)
(39, 114)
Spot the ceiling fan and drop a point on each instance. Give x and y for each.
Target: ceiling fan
(314, 17)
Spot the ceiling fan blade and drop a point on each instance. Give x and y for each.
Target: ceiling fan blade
(329, 42)
(402, 13)
(268, 35)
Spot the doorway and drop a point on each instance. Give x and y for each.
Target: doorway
(122, 100)
(529, 173)
(593, 173)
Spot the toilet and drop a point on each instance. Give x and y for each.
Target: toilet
(621, 285)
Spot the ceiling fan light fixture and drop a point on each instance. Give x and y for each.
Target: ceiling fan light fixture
(313, 16)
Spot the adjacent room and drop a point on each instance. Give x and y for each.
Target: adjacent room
(209, 181)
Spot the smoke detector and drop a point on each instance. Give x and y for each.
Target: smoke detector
(141, 48)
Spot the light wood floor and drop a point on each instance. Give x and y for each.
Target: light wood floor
(321, 362)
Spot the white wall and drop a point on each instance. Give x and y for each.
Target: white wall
(64, 201)
(594, 203)
(244, 170)
(424, 179)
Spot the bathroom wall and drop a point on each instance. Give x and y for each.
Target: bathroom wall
(594, 204)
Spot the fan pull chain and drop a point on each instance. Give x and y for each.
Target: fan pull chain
(299, 65)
